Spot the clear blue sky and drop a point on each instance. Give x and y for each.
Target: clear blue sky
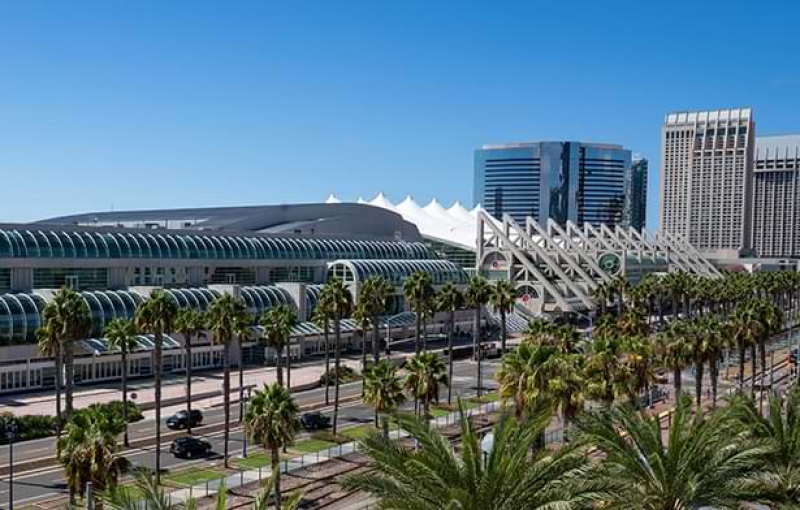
(146, 104)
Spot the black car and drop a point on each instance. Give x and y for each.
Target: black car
(181, 420)
(189, 447)
(315, 420)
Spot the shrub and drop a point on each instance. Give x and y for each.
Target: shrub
(28, 427)
(346, 374)
(115, 409)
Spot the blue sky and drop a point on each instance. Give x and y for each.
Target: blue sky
(151, 104)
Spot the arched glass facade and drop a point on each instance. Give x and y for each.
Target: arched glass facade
(135, 244)
(260, 298)
(396, 271)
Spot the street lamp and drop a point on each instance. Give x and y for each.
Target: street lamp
(244, 428)
(11, 432)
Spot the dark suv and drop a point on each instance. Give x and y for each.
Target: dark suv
(181, 419)
(314, 421)
(189, 447)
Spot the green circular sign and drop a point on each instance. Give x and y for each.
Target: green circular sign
(610, 263)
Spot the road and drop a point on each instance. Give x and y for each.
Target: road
(49, 482)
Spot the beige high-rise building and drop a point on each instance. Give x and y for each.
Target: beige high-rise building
(706, 176)
(776, 196)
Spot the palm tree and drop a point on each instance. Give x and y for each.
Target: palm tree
(442, 477)
(341, 302)
(523, 376)
(224, 314)
(278, 323)
(88, 451)
(604, 373)
(745, 328)
(375, 294)
(476, 297)
(502, 297)
(243, 329)
(322, 318)
(157, 316)
(450, 300)
(363, 319)
(638, 367)
(673, 351)
(189, 323)
(417, 288)
(50, 345)
(426, 375)
(272, 421)
(383, 390)
(147, 494)
(70, 319)
(703, 463)
(121, 335)
(771, 320)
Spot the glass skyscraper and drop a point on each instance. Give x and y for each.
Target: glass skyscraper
(636, 196)
(580, 182)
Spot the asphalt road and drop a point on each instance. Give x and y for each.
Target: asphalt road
(49, 482)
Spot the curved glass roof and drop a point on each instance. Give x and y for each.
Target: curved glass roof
(144, 244)
(396, 271)
(260, 298)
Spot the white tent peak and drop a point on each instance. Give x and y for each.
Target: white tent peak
(380, 200)
(332, 199)
(361, 201)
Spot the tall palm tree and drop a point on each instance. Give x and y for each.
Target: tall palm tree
(426, 375)
(417, 288)
(224, 314)
(383, 390)
(745, 328)
(703, 463)
(322, 318)
(363, 319)
(605, 378)
(638, 367)
(191, 324)
(69, 317)
(442, 477)
(50, 345)
(476, 297)
(88, 451)
(375, 294)
(157, 316)
(278, 323)
(243, 329)
(341, 303)
(121, 335)
(673, 351)
(524, 376)
(502, 297)
(272, 421)
(450, 300)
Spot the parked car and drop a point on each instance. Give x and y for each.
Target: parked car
(315, 420)
(181, 419)
(189, 447)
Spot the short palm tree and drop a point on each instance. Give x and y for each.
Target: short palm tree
(278, 323)
(450, 300)
(223, 316)
(322, 318)
(340, 304)
(70, 319)
(243, 329)
(476, 297)
(50, 345)
(745, 327)
(673, 352)
(502, 298)
(383, 390)
(426, 375)
(88, 451)
(157, 316)
(272, 421)
(441, 477)
(374, 295)
(523, 376)
(703, 463)
(148, 494)
(417, 287)
(605, 375)
(191, 324)
(121, 335)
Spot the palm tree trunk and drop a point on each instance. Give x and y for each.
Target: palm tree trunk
(424, 334)
(713, 369)
(158, 369)
(327, 364)
(678, 382)
(417, 327)
(363, 359)
(503, 330)
(226, 390)
(241, 379)
(279, 363)
(289, 364)
(450, 327)
(188, 346)
(698, 381)
(376, 340)
(386, 427)
(477, 346)
(276, 471)
(69, 367)
(742, 349)
(762, 353)
(59, 384)
(337, 334)
(753, 368)
(125, 392)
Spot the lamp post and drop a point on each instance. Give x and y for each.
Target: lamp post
(244, 428)
(11, 432)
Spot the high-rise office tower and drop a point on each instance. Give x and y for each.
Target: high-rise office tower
(706, 172)
(581, 182)
(776, 196)
(636, 193)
